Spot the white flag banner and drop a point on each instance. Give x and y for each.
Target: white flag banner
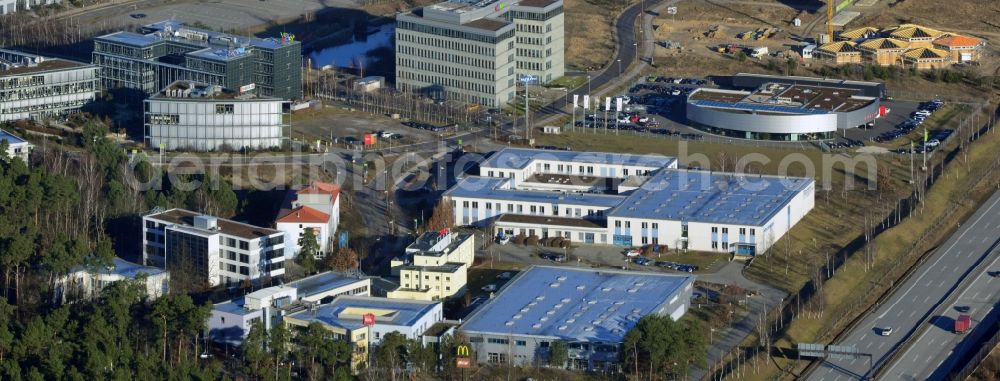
(586, 101)
(607, 104)
(618, 103)
(576, 98)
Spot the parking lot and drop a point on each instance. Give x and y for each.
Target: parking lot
(342, 126)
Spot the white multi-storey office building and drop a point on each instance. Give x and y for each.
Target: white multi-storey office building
(36, 87)
(629, 200)
(218, 250)
(201, 117)
(475, 51)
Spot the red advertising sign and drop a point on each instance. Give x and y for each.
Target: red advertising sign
(369, 139)
(463, 363)
(368, 319)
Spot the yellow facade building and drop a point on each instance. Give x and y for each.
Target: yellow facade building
(434, 267)
(841, 52)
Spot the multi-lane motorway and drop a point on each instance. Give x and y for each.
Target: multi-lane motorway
(932, 285)
(937, 350)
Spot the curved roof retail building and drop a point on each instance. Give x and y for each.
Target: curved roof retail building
(780, 111)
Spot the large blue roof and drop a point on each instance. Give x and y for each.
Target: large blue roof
(575, 304)
(494, 188)
(519, 158)
(408, 312)
(10, 138)
(703, 196)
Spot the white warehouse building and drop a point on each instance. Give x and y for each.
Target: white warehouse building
(629, 200)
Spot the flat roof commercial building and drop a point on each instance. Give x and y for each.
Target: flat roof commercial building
(590, 310)
(87, 284)
(215, 250)
(781, 110)
(652, 203)
(36, 87)
(231, 320)
(16, 147)
(196, 116)
(168, 51)
(475, 51)
(344, 317)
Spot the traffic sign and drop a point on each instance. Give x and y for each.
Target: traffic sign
(671, 10)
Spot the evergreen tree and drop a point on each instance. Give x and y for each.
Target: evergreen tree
(309, 249)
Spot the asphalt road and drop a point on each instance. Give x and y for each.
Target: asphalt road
(937, 350)
(915, 301)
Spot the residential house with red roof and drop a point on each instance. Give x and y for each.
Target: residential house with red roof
(315, 206)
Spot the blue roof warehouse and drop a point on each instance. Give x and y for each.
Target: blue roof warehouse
(590, 310)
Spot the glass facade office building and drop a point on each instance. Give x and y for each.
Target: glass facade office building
(167, 51)
(199, 117)
(35, 87)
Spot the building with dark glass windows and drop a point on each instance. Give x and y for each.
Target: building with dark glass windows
(167, 51)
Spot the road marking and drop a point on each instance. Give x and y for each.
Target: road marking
(880, 345)
(869, 345)
(988, 211)
(975, 296)
(914, 312)
(932, 341)
(926, 299)
(986, 239)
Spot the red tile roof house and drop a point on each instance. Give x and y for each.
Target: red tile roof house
(315, 206)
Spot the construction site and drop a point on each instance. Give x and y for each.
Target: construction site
(808, 38)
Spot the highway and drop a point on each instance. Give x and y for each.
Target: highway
(929, 287)
(937, 350)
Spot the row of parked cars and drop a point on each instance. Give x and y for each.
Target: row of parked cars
(917, 118)
(423, 126)
(682, 267)
(680, 81)
(663, 90)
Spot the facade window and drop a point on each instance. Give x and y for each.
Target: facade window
(520, 343)
(226, 108)
(715, 229)
(244, 245)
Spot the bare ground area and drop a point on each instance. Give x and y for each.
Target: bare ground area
(589, 38)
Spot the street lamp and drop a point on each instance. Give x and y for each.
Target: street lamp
(636, 45)
(619, 67)
(566, 90)
(588, 84)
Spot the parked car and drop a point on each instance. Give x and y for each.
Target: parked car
(490, 287)
(632, 253)
(962, 309)
(505, 275)
(642, 261)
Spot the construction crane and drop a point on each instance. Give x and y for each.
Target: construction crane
(829, 19)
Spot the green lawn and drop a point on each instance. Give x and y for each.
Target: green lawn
(569, 82)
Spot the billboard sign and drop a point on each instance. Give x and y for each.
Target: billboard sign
(370, 139)
(368, 319)
(246, 88)
(462, 360)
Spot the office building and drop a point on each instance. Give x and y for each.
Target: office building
(167, 51)
(316, 207)
(231, 320)
(345, 318)
(84, 283)
(629, 200)
(475, 51)
(195, 116)
(434, 267)
(11, 6)
(16, 147)
(589, 310)
(8, 7)
(215, 250)
(36, 87)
